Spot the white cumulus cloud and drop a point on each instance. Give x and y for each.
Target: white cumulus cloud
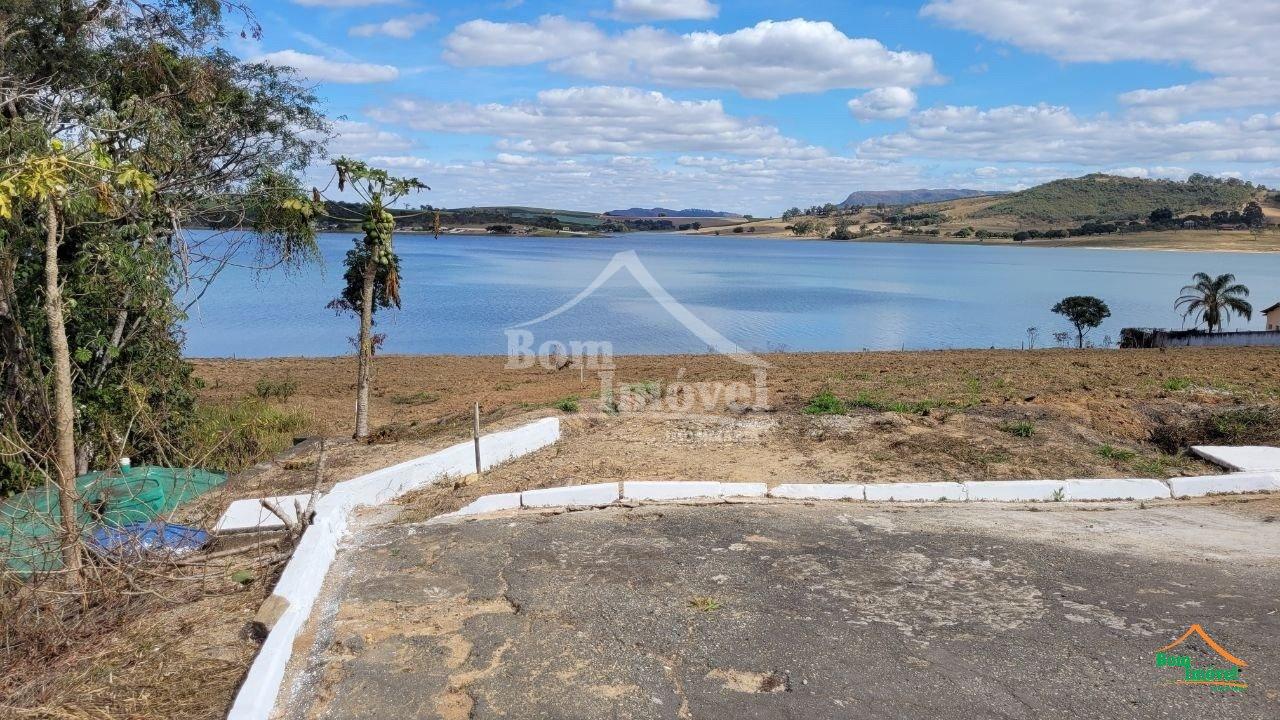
(664, 9)
(1217, 36)
(323, 69)
(1226, 38)
(1047, 133)
(402, 27)
(346, 3)
(766, 60)
(600, 121)
(361, 138)
(885, 103)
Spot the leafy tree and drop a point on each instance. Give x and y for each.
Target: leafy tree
(1085, 312)
(1162, 215)
(120, 121)
(372, 266)
(1253, 215)
(1212, 300)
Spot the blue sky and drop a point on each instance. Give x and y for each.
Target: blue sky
(757, 106)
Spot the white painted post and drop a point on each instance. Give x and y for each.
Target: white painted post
(475, 433)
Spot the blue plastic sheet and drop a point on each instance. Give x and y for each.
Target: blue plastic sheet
(147, 539)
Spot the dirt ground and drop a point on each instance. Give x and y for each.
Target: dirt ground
(912, 416)
(950, 415)
(418, 395)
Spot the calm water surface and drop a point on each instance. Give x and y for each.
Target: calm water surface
(461, 292)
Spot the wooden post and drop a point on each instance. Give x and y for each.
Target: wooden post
(475, 433)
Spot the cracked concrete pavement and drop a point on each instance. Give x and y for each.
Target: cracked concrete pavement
(794, 610)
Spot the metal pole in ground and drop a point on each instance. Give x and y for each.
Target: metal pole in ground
(475, 434)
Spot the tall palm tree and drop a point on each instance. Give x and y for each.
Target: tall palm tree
(1213, 300)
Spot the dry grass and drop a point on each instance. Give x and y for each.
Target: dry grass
(146, 642)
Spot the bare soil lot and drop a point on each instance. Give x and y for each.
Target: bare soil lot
(954, 415)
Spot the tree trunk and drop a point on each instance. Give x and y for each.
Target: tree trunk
(366, 349)
(63, 409)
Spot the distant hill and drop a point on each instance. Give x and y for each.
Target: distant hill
(909, 197)
(664, 212)
(1108, 198)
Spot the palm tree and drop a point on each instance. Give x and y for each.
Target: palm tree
(1213, 300)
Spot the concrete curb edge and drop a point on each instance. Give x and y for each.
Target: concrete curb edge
(303, 577)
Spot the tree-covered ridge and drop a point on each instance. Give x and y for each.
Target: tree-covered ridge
(1100, 197)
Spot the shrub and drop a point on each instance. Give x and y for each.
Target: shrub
(1021, 428)
(1115, 454)
(268, 389)
(825, 403)
(1251, 425)
(568, 404)
(236, 436)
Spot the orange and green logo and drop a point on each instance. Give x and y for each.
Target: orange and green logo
(1222, 676)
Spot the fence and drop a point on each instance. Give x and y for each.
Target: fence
(1159, 338)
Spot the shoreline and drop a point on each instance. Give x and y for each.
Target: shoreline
(1271, 243)
(664, 357)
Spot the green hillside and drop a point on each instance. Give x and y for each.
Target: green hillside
(1111, 198)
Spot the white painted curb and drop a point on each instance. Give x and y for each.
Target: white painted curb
(303, 577)
(819, 491)
(249, 515)
(590, 495)
(1243, 458)
(1015, 490)
(909, 492)
(745, 490)
(1236, 483)
(491, 503)
(670, 490)
(1121, 489)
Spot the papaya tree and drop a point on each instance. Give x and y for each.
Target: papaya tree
(58, 182)
(372, 268)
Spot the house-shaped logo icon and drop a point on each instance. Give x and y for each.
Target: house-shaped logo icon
(1224, 676)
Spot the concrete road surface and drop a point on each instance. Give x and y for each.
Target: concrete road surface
(804, 611)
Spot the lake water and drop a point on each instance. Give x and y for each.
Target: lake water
(461, 292)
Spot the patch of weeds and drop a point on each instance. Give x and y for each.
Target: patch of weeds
(1246, 425)
(568, 404)
(906, 407)
(1240, 425)
(649, 389)
(1058, 495)
(234, 437)
(418, 398)
(504, 386)
(825, 403)
(269, 389)
(1021, 428)
(705, 604)
(1115, 454)
(1176, 384)
(974, 386)
(1158, 466)
(609, 403)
